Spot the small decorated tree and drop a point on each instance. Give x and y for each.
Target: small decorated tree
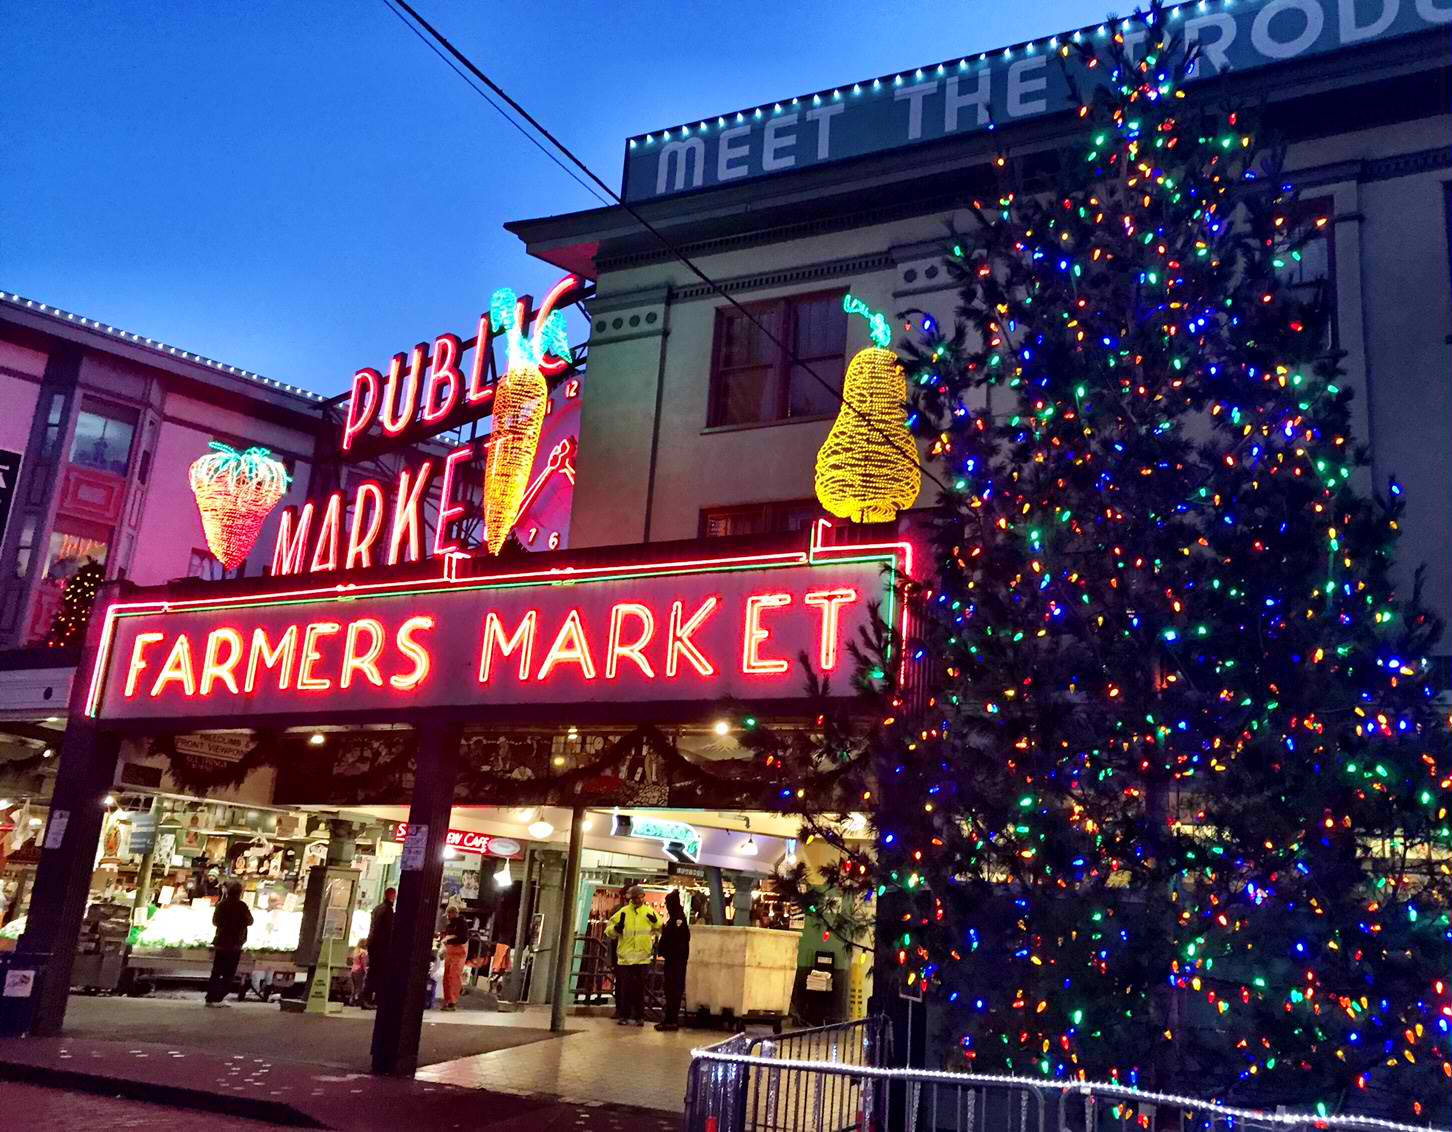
(68, 626)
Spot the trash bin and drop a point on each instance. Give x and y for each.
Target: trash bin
(21, 974)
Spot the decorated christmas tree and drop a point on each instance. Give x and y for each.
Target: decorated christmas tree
(1171, 806)
(68, 626)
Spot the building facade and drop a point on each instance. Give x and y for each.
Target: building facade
(699, 425)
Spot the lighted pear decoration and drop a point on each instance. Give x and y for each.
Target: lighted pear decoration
(235, 492)
(520, 401)
(867, 471)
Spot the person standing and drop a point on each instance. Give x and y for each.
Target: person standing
(456, 953)
(231, 918)
(675, 949)
(380, 934)
(634, 929)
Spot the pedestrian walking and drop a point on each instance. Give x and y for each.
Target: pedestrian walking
(634, 929)
(231, 918)
(675, 949)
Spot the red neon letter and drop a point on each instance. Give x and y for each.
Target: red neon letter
(397, 411)
(138, 662)
(330, 535)
(292, 540)
(365, 662)
(444, 370)
(751, 660)
(214, 667)
(306, 681)
(361, 410)
(570, 647)
(269, 657)
(449, 511)
(830, 602)
(406, 518)
(616, 649)
(523, 640)
(678, 641)
(177, 669)
(361, 536)
(414, 651)
(477, 390)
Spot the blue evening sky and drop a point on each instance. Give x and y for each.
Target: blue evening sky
(303, 188)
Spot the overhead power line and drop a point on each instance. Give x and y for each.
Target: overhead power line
(468, 64)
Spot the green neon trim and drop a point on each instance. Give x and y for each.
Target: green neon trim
(878, 330)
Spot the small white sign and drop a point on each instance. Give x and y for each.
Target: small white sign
(226, 746)
(55, 832)
(19, 984)
(415, 848)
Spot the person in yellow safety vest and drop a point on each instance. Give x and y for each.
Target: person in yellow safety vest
(634, 929)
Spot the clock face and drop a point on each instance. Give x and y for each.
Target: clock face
(544, 519)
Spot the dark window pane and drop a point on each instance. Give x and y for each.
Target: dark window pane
(746, 395)
(102, 442)
(810, 397)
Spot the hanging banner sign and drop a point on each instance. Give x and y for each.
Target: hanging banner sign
(969, 94)
(692, 629)
(468, 841)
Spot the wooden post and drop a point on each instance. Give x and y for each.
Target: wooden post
(565, 951)
(404, 985)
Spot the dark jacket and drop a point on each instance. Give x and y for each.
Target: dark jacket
(380, 931)
(231, 918)
(456, 931)
(675, 942)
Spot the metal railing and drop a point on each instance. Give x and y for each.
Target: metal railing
(775, 1084)
(835, 1079)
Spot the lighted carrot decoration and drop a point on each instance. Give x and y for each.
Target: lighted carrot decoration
(520, 400)
(867, 470)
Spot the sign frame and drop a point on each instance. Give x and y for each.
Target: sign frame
(561, 572)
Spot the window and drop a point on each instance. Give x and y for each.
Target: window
(73, 544)
(103, 439)
(25, 545)
(759, 518)
(754, 380)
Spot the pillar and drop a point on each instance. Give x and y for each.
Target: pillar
(565, 950)
(85, 775)
(404, 985)
(148, 861)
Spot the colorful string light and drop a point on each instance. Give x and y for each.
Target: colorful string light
(1172, 810)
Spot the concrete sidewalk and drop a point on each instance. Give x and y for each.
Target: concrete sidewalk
(296, 1094)
(253, 1062)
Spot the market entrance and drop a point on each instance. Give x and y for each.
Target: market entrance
(605, 679)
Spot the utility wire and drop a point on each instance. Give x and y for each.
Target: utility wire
(660, 237)
(432, 46)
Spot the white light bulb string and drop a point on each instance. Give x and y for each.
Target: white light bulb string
(1118, 1092)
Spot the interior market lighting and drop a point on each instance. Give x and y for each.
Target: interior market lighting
(541, 830)
(317, 739)
(722, 727)
(503, 878)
